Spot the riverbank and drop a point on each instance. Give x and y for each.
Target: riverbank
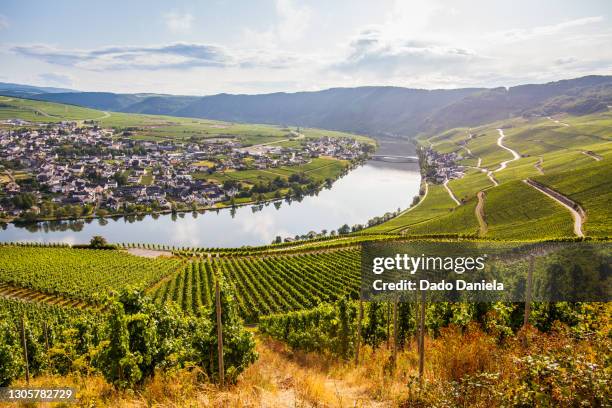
(368, 191)
(200, 209)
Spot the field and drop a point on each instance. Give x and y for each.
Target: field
(591, 188)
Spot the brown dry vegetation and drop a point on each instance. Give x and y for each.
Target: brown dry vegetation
(463, 368)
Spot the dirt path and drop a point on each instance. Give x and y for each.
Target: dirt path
(538, 165)
(298, 136)
(515, 155)
(450, 192)
(480, 214)
(296, 380)
(577, 212)
(106, 115)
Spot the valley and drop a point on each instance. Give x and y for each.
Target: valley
(288, 267)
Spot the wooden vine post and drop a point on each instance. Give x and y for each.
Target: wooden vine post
(395, 331)
(388, 322)
(358, 340)
(25, 350)
(219, 333)
(528, 291)
(422, 340)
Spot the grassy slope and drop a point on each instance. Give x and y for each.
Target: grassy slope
(437, 203)
(511, 209)
(39, 111)
(519, 211)
(154, 127)
(591, 187)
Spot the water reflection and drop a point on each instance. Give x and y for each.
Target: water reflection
(366, 192)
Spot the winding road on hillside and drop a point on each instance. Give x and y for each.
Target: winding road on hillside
(515, 155)
(577, 212)
(538, 165)
(450, 192)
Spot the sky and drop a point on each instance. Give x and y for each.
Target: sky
(260, 46)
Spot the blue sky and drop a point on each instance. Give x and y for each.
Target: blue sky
(207, 47)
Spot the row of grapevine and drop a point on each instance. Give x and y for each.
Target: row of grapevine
(191, 288)
(127, 343)
(315, 244)
(79, 273)
(267, 285)
(332, 327)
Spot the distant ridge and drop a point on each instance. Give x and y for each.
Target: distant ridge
(372, 110)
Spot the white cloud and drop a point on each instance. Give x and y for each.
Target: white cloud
(4, 22)
(178, 22)
(178, 56)
(374, 52)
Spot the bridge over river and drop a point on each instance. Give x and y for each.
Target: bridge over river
(395, 159)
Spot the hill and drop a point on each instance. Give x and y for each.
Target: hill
(372, 110)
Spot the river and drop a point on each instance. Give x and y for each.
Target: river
(365, 192)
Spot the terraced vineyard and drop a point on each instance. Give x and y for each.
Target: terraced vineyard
(574, 160)
(79, 273)
(592, 189)
(269, 284)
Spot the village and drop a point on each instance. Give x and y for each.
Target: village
(66, 170)
(440, 167)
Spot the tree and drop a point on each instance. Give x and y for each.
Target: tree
(121, 178)
(345, 229)
(98, 241)
(24, 201)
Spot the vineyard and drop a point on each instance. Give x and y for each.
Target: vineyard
(573, 159)
(266, 285)
(80, 274)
